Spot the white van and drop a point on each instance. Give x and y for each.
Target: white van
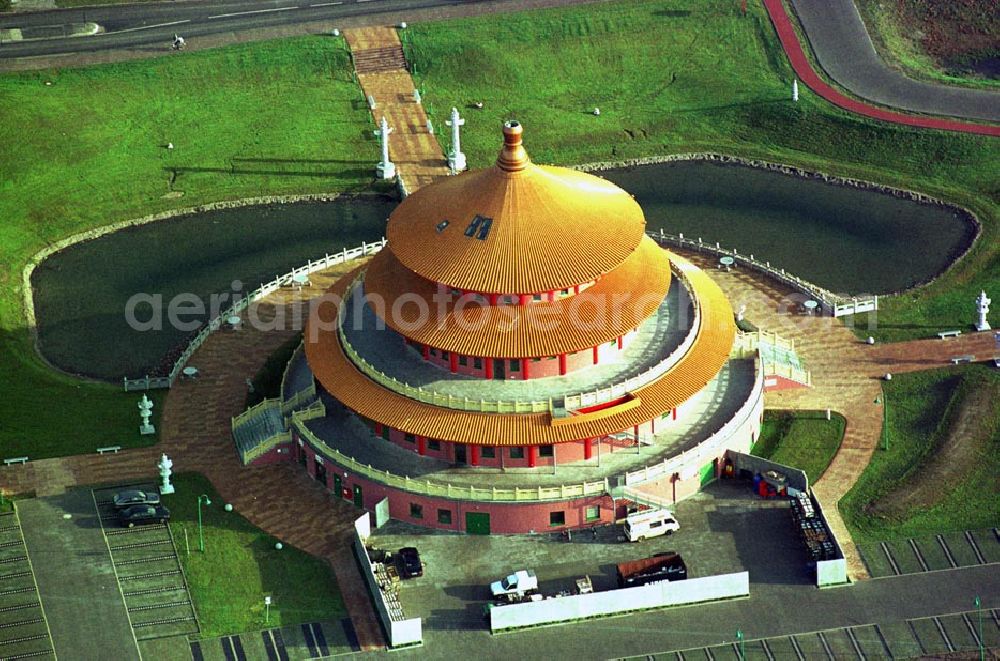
(650, 523)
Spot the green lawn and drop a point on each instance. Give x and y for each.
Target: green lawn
(673, 76)
(240, 566)
(801, 439)
(89, 149)
(920, 414)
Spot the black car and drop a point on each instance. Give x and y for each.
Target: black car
(132, 497)
(409, 563)
(138, 515)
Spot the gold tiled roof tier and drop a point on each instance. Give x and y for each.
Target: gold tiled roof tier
(615, 305)
(699, 365)
(549, 228)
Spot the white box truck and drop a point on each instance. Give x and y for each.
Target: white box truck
(651, 523)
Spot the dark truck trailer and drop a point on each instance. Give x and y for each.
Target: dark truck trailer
(661, 567)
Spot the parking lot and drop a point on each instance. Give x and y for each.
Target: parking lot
(24, 632)
(946, 551)
(723, 529)
(899, 640)
(148, 572)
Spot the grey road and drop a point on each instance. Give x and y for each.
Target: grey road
(127, 26)
(844, 49)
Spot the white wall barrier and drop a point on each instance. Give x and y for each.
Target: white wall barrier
(401, 631)
(613, 602)
(829, 572)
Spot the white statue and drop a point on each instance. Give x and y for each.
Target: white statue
(795, 90)
(456, 159)
(983, 308)
(145, 411)
(386, 169)
(741, 311)
(164, 466)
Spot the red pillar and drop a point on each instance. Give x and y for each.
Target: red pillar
(588, 448)
(474, 455)
(619, 342)
(493, 299)
(525, 369)
(421, 445)
(595, 355)
(652, 426)
(425, 351)
(453, 362)
(378, 428)
(489, 367)
(562, 363)
(673, 413)
(552, 295)
(522, 299)
(576, 289)
(532, 455)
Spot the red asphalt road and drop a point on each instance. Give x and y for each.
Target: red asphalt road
(805, 72)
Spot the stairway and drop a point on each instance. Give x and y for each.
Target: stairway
(380, 60)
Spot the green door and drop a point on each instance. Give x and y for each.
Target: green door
(385, 432)
(707, 472)
(338, 486)
(477, 523)
(357, 496)
(499, 369)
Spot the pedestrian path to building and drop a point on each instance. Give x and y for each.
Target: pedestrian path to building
(381, 68)
(24, 630)
(76, 577)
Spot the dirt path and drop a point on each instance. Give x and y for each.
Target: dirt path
(950, 459)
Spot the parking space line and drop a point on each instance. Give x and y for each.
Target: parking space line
(916, 552)
(947, 551)
(916, 636)
(855, 643)
(888, 556)
(885, 643)
(944, 634)
(767, 649)
(975, 547)
(798, 650)
(826, 646)
(996, 617)
(971, 628)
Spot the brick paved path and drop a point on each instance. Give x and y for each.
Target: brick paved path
(413, 149)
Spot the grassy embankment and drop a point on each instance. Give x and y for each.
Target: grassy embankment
(801, 439)
(240, 566)
(934, 40)
(939, 473)
(89, 150)
(674, 77)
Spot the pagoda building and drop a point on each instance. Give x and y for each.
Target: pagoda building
(521, 357)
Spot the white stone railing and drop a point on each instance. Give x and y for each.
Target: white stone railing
(458, 492)
(709, 447)
(572, 401)
(265, 289)
(833, 304)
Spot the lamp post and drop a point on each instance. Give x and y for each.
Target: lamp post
(739, 639)
(979, 614)
(267, 608)
(201, 535)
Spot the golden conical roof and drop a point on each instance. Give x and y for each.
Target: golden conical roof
(517, 227)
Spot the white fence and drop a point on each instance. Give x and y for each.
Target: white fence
(215, 324)
(709, 448)
(402, 631)
(833, 304)
(614, 602)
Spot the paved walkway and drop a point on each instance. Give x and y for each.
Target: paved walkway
(412, 147)
(844, 49)
(805, 72)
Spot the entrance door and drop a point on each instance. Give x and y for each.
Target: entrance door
(499, 369)
(357, 496)
(302, 457)
(477, 523)
(338, 486)
(385, 432)
(460, 453)
(320, 473)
